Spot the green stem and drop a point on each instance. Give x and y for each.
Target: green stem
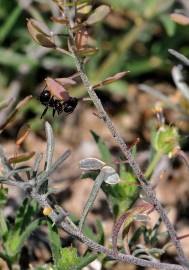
(152, 164)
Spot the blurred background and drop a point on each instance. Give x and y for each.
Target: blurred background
(135, 36)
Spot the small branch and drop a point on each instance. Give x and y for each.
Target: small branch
(50, 146)
(125, 149)
(57, 216)
(71, 229)
(43, 176)
(96, 187)
(37, 162)
(120, 256)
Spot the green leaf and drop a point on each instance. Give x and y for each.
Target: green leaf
(3, 196)
(97, 237)
(9, 22)
(16, 239)
(28, 230)
(23, 227)
(104, 151)
(3, 225)
(25, 214)
(119, 88)
(136, 235)
(123, 195)
(13, 59)
(55, 242)
(86, 260)
(168, 24)
(69, 259)
(100, 233)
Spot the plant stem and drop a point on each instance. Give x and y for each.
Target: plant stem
(74, 231)
(153, 164)
(126, 151)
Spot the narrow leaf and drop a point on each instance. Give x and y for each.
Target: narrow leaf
(40, 33)
(104, 151)
(111, 79)
(50, 146)
(92, 196)
(87, 51)
(98, 14)
(9, 22)
(127, 218)
(69, 258)
(22, 134)
(88, 164)
(55, 243)
(21, 157)
(3, 225)
(19, 106)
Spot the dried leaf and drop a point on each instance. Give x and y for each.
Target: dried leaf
(40, 33)
(111, 79)
(61, 20)
(23, 102)
(180, 18)
(10, 118)
(126, 218)
(21, 157)
(110, 175)
(39, 27)
(98, 14)
(88, 164)
(81, 38)
(5, 103)
(87, 51)
(22, 134)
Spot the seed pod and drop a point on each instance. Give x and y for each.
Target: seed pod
(40, 33)
(89, 164)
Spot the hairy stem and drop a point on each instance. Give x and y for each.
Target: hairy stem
(71, 229)
(125, 149)
(153, 164)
